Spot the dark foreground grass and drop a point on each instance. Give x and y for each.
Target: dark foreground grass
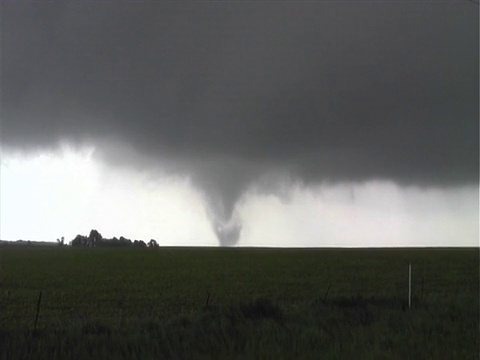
(239, 303)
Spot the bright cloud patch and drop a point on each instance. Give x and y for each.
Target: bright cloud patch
(377, 214)
(46, 196)
(63, 193)
(59, 194)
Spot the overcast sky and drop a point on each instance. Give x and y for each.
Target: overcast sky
(242, 123)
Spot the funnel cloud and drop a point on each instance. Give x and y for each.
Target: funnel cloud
(242, 97)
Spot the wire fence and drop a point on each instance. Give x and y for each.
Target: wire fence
(57, 300)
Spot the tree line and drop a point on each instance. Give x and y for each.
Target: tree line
(95, 239)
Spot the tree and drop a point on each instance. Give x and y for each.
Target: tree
(94, 238)
(79, 241)
(153, 243)
(61, 241)
(124, 241)
(139, 243)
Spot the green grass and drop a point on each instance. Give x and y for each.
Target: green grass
(263, 303)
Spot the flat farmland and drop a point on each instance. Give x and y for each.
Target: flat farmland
(238, 303)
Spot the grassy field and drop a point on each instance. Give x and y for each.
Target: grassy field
(238, 303)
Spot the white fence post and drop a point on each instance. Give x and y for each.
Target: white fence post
(409, 285)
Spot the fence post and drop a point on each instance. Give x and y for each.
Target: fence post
(421, 291)
(409, 285)
(38, 310)
(326, 293)
(206, 302)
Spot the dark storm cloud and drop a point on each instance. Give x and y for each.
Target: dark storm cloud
(325, 90)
